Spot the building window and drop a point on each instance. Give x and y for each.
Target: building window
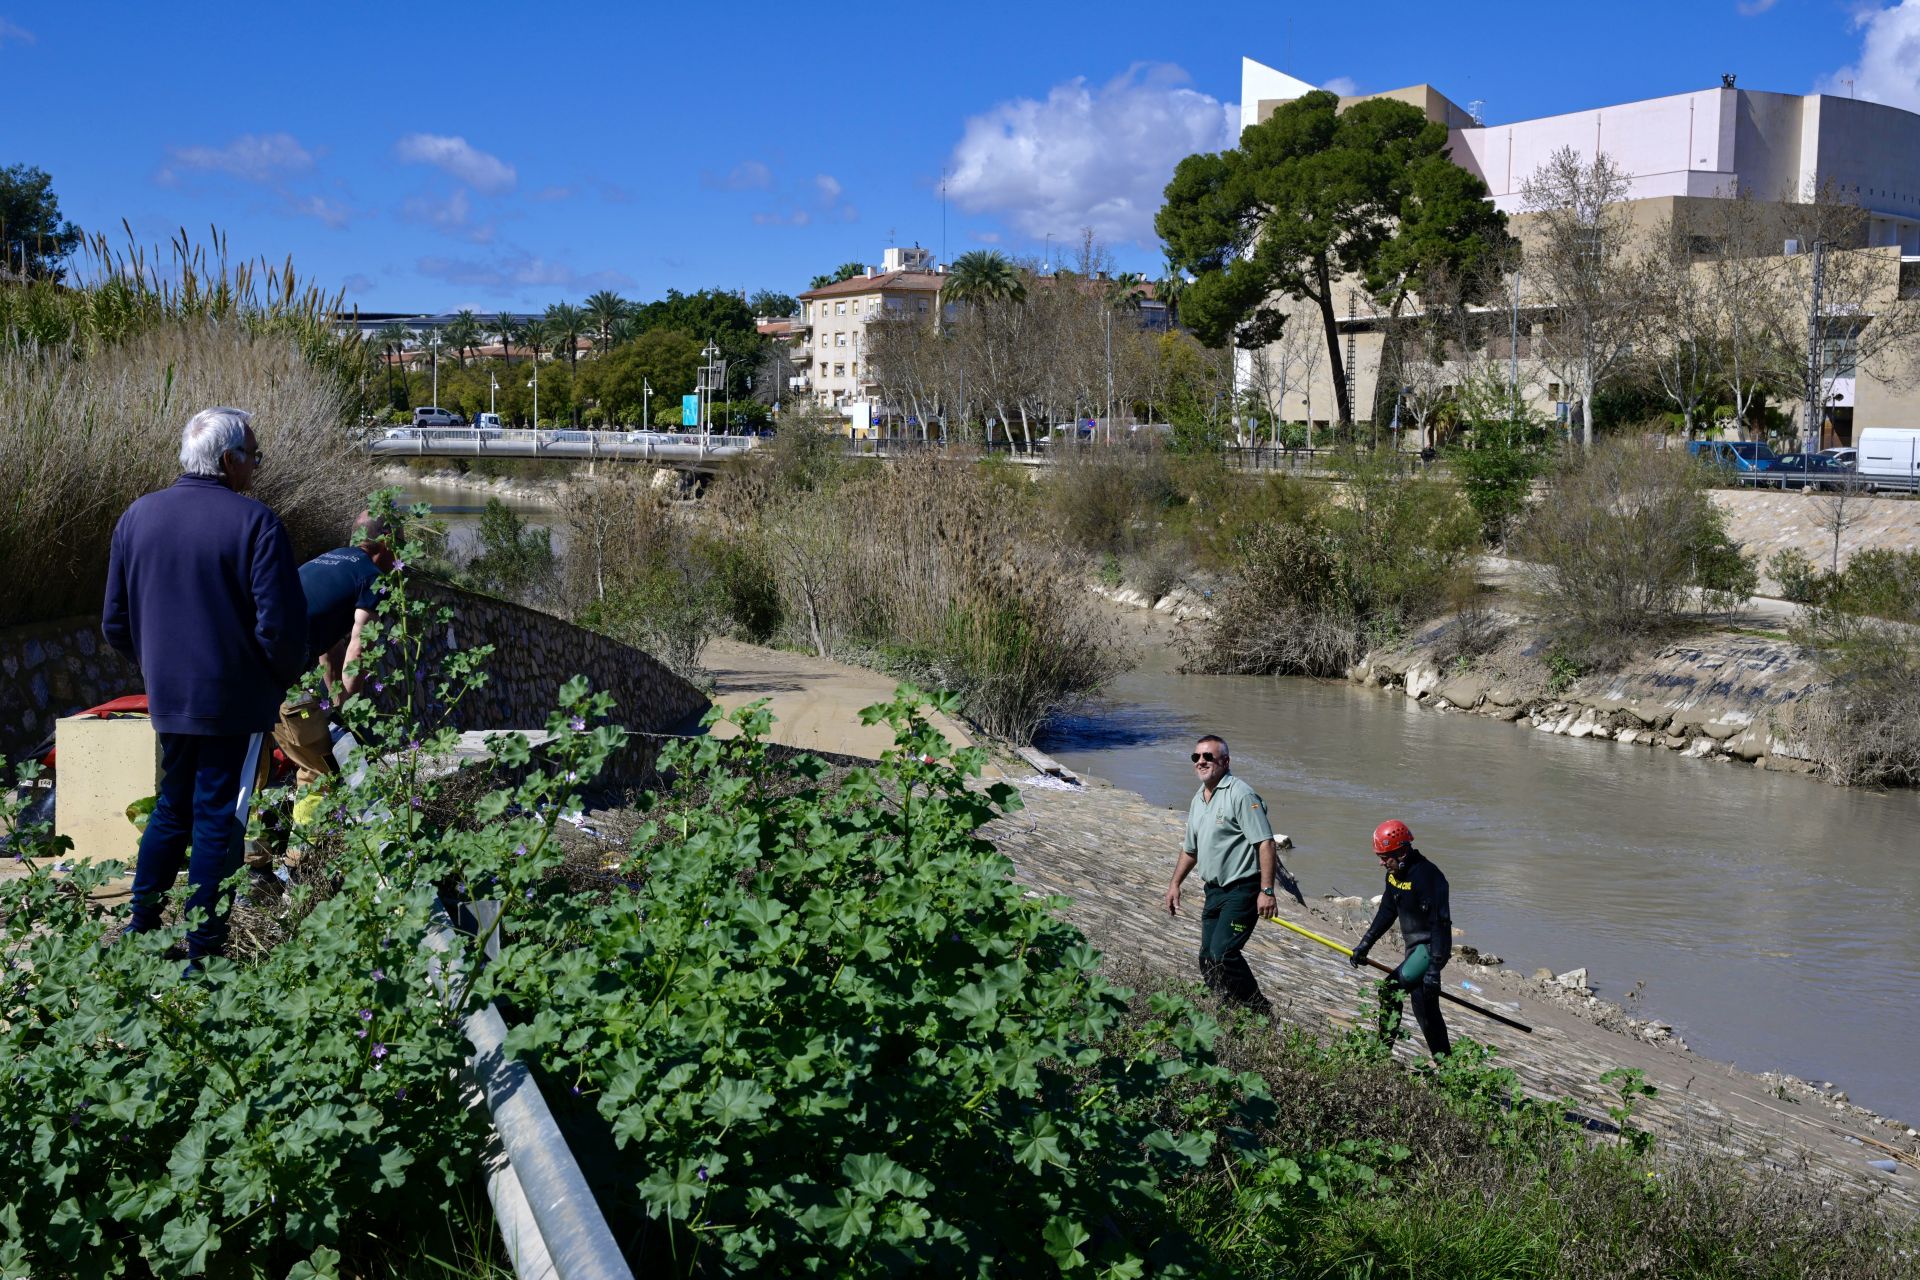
(923, 306)
(839, 371)
(839, 339)
(839, 308)
(856, 306)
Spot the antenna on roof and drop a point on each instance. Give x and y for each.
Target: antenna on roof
(1726, 80)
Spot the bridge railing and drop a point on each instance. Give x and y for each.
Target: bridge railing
(562, 442)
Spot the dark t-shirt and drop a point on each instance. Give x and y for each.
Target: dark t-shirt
(336, 582)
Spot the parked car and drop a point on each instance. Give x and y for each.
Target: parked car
(433, 416)
(1810, 471)
(1734, 455)
(1890, 457)
(400, 433)
(1846, 457)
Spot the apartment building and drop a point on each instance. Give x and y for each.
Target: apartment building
(1682, 154)
(833, 325)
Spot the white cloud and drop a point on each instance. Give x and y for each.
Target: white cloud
(1888, 69)
(829, 187)
(748, 175)
(984, 237)
(18, 35)
(1752, 8)
(458, 157)
(332, 213)
(452, 216)
(251, 157)
(1088, 156)
(1345, 86)
(357, 283)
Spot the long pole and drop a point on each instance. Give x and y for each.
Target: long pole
(1387, 968)
(1811, 443)
(436, 368)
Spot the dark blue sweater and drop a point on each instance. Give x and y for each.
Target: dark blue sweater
(203, 594)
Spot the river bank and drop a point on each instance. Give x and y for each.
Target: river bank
(1108, 850)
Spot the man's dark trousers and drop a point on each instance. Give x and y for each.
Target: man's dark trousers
(199, 786)
(1226, 922)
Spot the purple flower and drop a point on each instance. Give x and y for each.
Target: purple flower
(414, 801)
(361, 1034)
(379, 1051)
(576, 1091)
(702, 1171)
(401, 1093)
(399, 564)
(578, 723)
(366, 1015)
(379, 686)
(379, 975)
(521, 852)
(326, 704)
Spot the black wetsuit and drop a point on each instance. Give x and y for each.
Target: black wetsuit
(1416, 896)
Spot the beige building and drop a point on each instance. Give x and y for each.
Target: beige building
(832, 346)
(1683, 157)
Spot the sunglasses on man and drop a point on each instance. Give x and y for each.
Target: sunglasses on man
(1208, 756)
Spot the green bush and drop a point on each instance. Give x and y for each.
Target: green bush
(1798, 579)
(1309, 595)
(1496, 473)
(1627, 545)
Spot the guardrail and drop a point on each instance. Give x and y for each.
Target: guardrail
(549, 1221)
(670, 446)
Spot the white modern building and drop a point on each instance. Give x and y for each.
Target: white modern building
(1710, 144)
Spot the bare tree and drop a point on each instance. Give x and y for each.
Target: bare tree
(1852, 317)
(1576, 257)
(1679, 326)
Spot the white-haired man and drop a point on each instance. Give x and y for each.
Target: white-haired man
(204, 596)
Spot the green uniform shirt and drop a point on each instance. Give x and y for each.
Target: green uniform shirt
(1224, 833)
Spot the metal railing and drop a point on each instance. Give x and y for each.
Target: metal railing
(671, 446)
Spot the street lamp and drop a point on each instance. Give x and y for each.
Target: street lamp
(493, 391)
(646, 401)
(534, 382)
(434, 343)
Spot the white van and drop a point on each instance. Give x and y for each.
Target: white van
(487, 424)
(1889, 457)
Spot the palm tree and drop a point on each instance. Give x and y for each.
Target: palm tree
(1170, 288)
(565, 324)
(392, 338)
(465, 334)
(1123, 291)
(510, 331)
(984, 276)
(606, 309)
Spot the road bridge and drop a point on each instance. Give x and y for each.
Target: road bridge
(691, 450)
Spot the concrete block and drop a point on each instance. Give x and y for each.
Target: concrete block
(102, 767)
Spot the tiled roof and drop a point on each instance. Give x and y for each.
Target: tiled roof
(922, 281)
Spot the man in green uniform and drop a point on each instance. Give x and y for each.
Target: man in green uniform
(1231, 840)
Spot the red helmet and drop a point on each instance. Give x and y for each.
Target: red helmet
(1391, 837)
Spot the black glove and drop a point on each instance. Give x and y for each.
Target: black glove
(1358, 956)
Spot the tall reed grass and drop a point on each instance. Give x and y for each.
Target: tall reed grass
(97, 381)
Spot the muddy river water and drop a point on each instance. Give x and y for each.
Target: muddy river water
(1773, 920)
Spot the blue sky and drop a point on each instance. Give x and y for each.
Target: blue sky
(423, 156)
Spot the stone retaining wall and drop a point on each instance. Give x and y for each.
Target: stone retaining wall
(1765, 521)
(52, 669)
(1713, 696)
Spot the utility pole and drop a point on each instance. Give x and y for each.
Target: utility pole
(1815, 333)
(1352, 360)
(646, 399)
(435, 345)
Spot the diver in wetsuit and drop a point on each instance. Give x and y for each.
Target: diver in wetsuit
(1416, 895)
